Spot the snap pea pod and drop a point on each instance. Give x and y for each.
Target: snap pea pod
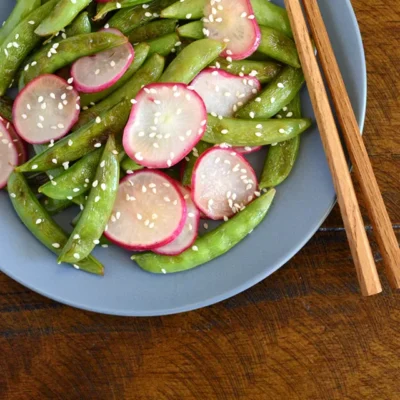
(53, 173)
(98, 208)
(40, 223)
(271, 15)
(19, 12)
(62, 15)
(53, 206)
(141, 53)
(127, 19)
(278, 46)
(6, 108)
(163, 45)
(83, 141)
(192, 30)
(127, 164)
(80, 25)
(191, 60)
(188, 9)
(53, 57)
(282, 157)
(191, 159)
(264, 71)
(241, 132)
(279, 92)
(104, 8)
(152, 30)
(213, 244)
(149, 73)
(103, 241)
(76, 180)
(14, 51)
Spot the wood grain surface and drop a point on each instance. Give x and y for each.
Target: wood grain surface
(304, 333)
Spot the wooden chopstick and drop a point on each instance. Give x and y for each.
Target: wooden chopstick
(383, 229)
(352, 219)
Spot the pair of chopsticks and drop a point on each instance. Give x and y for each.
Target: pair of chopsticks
(350, 210)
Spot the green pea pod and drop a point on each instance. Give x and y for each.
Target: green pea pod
(193, 30)
(279, 92)
(53, 206)
(19, 12)
(83, 141)
(14, 51)
(213, 244)
(62, 15)
(6, 108)
(97, 209)
(152, 30)
(76, 180)
(104, 8)
(264, 71)
(103, 241)
(278, 46)
(271, 15)
(282, 157)
(241, 132)
(191, 159)
(127, 19)
(188, 9)
(164, 45)
(128, 164)
(141, 53)
(51, 173)
(40, 223)
(49, 59)
(191, 60)
(79, 26)
(150, 72)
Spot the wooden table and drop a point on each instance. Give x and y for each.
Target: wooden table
(304, 333)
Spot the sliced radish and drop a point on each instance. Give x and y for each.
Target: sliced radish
(189, 231)
(99, 72)
(166, 122)
(224, 93)
(45, 109)
(8, 155)
(149, 211)
(18, 142)
(233, 23)
(223, 183)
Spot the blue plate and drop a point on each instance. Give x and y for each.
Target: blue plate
(301, 205)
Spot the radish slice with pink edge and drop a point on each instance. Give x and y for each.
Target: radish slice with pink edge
(189, 232)
(224, 93)
(233, 23)
(8, 155)
(99, 72)
(19, 144)
(149, 211)
(223, 183)
(166, 122)
(45, 109)
(241, 150)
